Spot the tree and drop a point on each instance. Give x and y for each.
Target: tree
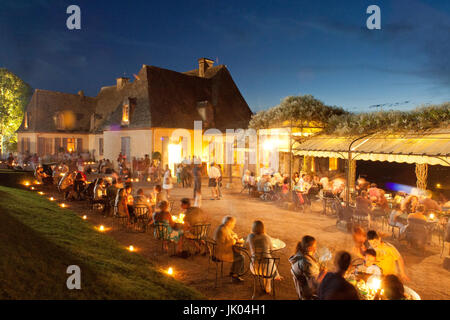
(301, 110)
(14, 96)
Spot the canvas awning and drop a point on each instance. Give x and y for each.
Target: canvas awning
(431, 147)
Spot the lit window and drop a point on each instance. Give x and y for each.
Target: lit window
(333, 164)
(126, 114)
(26, 120)
(70, 144)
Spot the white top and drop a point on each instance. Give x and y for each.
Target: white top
(214, 173)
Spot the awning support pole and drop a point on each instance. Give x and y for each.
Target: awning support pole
(349, 171)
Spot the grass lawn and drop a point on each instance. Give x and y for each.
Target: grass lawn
(39, 240)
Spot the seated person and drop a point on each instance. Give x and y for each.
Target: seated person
(246, 180)
(163, 216)
(142, 200)
(393, 218)
(78, 186)
(225, 239)
(363, 204)
(374, 191)
(393, 288)
(419, 214)
(409, 204)
(66, 183)
(111, 193)
(261, 247)
(333, 285)
(100, 191)
(307, 272)
(388, 258)
(129, 202)
(417, 225)
(193, 215)
(428, 203)
(121, 203)
(360, 243)
(285, 189)
(157, 196)
(369, 266)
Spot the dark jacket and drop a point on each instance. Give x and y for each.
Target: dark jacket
(335, 287)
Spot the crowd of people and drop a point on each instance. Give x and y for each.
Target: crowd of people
(371, 256)
(113, 194)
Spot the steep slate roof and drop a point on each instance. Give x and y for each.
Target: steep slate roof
(172, 99)
(44, 105)
(163, 98)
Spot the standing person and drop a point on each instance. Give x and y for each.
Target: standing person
(146, 167)
(197, 173)
(388, 257)
(219, 181)
(178, 173)
(167, 182)
(226, 239)
(10, 161)
(214, 175)
(306, 270)
(333, 285)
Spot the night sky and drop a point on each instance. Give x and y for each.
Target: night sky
(272, 48)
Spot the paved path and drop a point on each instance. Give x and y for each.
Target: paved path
(427, 275)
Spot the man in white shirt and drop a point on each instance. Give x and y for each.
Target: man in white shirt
(214, 175)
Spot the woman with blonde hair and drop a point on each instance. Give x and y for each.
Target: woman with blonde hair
(261, 247)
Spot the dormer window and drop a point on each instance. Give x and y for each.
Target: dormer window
(25, 124)
(206, 112)
(59, 121)
(126, 114)
(127, 110)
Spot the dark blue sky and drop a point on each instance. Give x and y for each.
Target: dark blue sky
(272, 48)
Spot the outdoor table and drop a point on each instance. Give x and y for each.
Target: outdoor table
(365, 293)
(277, 244)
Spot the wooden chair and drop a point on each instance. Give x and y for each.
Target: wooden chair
(264, 270)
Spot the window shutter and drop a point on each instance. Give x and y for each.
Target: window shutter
(79, 145)
(65, 144)
(41, 146)
(57, 144)
(100, 146)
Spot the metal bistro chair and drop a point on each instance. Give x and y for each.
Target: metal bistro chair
(161, 233)
(142, 215)
(171, 205)
(212, 246)
(444, 235)
(119, 222)
(199, 234)
(264, 269)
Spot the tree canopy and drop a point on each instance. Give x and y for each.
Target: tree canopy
(14, 96)
(419, 119)
(302, 110)
(335, 120)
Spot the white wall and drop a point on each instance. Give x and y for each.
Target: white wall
(140, 143)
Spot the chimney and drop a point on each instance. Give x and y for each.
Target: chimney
(121, 82)
(203, 65)
(81, 93)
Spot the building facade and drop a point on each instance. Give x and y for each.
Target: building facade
(136, 117)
